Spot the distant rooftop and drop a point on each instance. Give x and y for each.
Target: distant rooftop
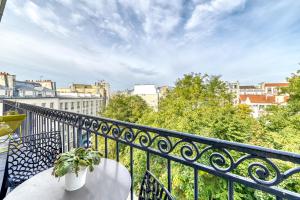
(276, 84)
(258, 98)
(248, 87)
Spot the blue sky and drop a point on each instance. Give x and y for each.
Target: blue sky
(129, 42)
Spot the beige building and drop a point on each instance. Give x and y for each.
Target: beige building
(151, 94)
(99, 89)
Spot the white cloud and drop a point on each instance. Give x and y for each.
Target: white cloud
(140, 41)
(44, 18)
(77, 18)
(65, 2)
(208, 13)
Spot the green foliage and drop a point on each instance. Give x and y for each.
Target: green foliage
(126, 108)
(294, 91)
(200, 104)
(281, 124)
(74, 160)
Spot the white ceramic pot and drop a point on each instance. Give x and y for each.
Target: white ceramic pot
(73, 182)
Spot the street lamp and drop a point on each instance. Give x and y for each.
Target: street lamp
(2, 5)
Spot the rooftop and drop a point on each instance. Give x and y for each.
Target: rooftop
(258, 98)
(276, 84)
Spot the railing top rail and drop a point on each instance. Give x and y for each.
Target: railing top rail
(246, 148)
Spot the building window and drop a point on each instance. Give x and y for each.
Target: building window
(66, 106)
(72, 105)
(84, 104)
(78, 104)
(269, 90)
(61, 105)
(87, 104)
(92, 103)
(51, 105)
(44, 105)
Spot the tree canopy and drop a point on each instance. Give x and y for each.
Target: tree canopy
(126, 108)
(201, 104)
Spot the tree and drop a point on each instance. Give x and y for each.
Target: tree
(201, 104)
(294, 91)
(282, 122)
(126, 108)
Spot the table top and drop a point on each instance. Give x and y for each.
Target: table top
(109, 181)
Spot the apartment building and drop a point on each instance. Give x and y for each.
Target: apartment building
(43, 93)
(258, 97)
(12, 88)
(150, 93)
(87, 105)
(100, 89)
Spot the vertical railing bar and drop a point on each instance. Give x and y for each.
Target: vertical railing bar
(148, 161)
(117, 150)
(48, 128)
(55, 126)
(131, 172)
(62, 125)
(68, 135)
(105, 148)
(79, 137)
(51, 126)
(96, 142)
(230, 190)
(43, 122)
(35, 123)
(38, 124)
(87, 138)
(74, 137)
(169, 175)
(195, 184)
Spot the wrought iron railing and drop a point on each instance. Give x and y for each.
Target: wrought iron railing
(220, 158)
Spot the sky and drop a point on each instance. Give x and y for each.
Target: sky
(127, 42)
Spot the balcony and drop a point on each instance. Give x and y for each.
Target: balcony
(238, 165)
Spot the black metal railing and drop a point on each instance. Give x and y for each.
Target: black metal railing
(220, 158)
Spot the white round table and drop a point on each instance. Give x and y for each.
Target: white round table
(109, 181)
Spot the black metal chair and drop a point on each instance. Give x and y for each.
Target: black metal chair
(152, 189)
(28, 156)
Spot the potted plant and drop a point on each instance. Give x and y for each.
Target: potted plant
(74, 165)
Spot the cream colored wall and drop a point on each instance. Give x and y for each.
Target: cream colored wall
(151, 100)
(91, 109)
